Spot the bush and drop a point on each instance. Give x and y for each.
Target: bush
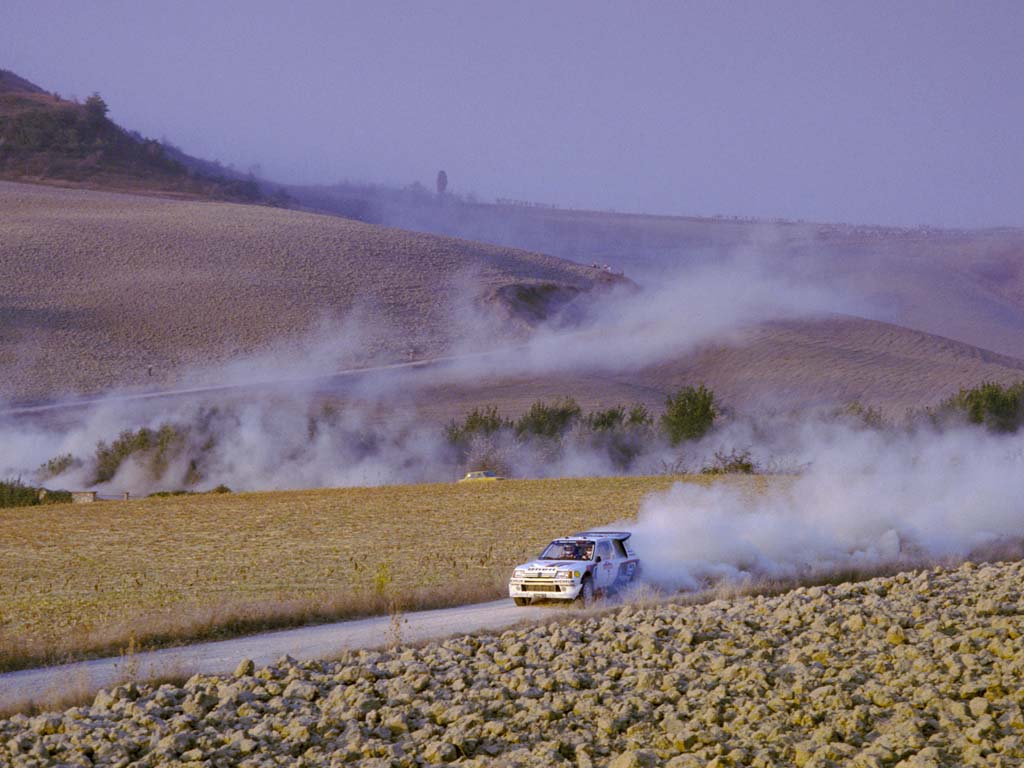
(733, 463)
(863, 415)
(14, 493)
(158, 447)
(602, 421)
(639, 416)
(549, 421)
(998, 408)
(58, 465)
(484, 421)
(689, 414)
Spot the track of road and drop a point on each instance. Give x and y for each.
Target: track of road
(74, 404)
(22, 688)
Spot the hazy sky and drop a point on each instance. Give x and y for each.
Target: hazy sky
(887, 112)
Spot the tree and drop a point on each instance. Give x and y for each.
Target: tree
(689, 414)
(95, 108)
(550, 421)
(442, 182)
(479, 421)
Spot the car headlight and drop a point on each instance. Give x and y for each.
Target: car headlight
(517, 574)
(568, 574)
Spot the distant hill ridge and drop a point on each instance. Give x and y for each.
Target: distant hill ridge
(47, 139)
(11, 83)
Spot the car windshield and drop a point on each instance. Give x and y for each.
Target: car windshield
(569, 550)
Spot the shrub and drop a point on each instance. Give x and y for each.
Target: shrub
(549, 421)
(58, 465)
(998, 408)
(639, 416)
(14, 493)
(612, 418)
(689, 414)
(863, 415)
(484, 421)
(158, 447)
(620, 433)
(733, 463)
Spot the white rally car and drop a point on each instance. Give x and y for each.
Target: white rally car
(579, 567)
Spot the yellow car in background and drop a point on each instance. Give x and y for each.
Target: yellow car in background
(481, 476)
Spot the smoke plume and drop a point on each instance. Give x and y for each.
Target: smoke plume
(868, 498)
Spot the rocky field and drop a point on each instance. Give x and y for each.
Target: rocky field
(920, 669)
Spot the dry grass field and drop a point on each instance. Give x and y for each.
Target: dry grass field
(97, 287)
(76, 580)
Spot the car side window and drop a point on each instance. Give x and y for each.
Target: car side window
(604, 550)
(620, 549)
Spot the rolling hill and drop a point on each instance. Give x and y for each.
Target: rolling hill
(102, 290)
(97, 289)
(965, 285)
(773, 367)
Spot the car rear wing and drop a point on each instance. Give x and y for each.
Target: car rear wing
(620, 535)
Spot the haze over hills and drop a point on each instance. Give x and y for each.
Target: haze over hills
(100, 287)
(97, 288)
(964, 284)
(774, 367)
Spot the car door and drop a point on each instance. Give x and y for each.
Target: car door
(604, 571)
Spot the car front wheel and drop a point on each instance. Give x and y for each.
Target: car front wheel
(586, 596)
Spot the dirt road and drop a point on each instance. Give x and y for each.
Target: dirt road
(18, 689)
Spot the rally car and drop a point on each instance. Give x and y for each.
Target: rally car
(579, 567)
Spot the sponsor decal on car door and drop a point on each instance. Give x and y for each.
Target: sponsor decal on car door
(604, 571)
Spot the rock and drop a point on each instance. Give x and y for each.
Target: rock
(854, 623)
(439, 752)
(895, 635)
(245, 668)
(299, 689)
(978, 706)
(634, 758)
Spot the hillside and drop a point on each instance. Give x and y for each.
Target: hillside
(96, 288)
(47, 139)
(966, 285)
(777, 366)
